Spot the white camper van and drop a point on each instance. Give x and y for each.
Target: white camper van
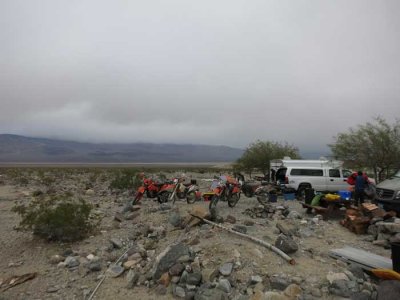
(321, 175)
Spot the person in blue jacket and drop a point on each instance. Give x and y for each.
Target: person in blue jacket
(361, 182)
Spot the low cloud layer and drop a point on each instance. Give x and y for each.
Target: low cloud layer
(226, 72)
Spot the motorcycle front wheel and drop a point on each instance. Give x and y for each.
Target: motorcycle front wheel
(233, 200)
(213, 203)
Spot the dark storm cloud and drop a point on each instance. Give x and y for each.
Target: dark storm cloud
(225, 72)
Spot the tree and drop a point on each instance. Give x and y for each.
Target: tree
(374, 145)
(258, 155)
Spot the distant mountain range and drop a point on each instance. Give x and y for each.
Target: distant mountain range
(21, 149)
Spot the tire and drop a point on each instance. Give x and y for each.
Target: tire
(233, 200)
(163, 197)
(213, 203)
(248, 193)
(181, 195)
(301, 191)
(191, 197)
(151, 194)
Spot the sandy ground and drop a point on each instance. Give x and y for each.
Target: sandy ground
(22, 253)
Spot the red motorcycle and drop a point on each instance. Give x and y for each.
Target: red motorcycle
(225, 189)
(150, 187)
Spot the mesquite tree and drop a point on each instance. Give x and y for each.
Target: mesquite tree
(373, 145)
(258, 155)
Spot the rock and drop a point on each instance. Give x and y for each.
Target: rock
(292, 291)
(388, 227)
(339, 288)
(258, 295)
(286, 244)
(278, 283)
(165, 279)
(175, 219)
(209, 275)
(286, 228)
(166, 259)
(255, 279)
(130, 264)
(194, 278)
(119, 217)
(331, 277)
(388, 290)
(209, 294)
(274, 296)
(94, 266)
(240, 228)
(395, 238)
(89, 192)
(236, 253)
(356, 271)
(224, 285)
(197, 210)
(71, 262)
(294, 215)
(179, 292)
(176, 269)
(230, 219)
(55, 259)
(117, 244)
(226, 269)
(115, 271)
(316, 292)
(131, 216)
(132, 278)
(161, 290)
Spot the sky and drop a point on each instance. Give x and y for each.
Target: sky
(222, 72)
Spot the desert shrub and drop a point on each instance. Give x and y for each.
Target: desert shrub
(37, 193)
(56, 218)
(124, 180)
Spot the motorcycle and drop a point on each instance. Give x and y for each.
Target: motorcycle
(176, 189)
(225, 189)
(150, 187)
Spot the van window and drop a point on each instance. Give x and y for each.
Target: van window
(307, 172)
(334, 173)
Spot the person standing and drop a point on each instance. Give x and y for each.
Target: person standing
(361, 182)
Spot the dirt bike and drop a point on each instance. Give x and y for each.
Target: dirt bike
(150, 187)
(176, 189)
(225, 189)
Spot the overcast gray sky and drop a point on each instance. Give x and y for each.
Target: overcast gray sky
(212, 72)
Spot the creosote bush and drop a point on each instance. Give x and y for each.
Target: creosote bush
(124, 180)
(56, 218)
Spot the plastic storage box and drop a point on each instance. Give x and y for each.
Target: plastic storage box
(289, 196)
(345, 195)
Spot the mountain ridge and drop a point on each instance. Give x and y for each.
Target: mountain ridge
(23, 149)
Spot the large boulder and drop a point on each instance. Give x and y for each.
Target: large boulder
(166, 259)
(286, 244)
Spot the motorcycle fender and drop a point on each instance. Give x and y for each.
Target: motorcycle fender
(193, 188)
(235, 190)
(141, 190)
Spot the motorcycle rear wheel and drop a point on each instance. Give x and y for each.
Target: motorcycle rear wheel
(191, 197)
(163, 197)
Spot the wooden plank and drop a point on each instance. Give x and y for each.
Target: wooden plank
(365, 259)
